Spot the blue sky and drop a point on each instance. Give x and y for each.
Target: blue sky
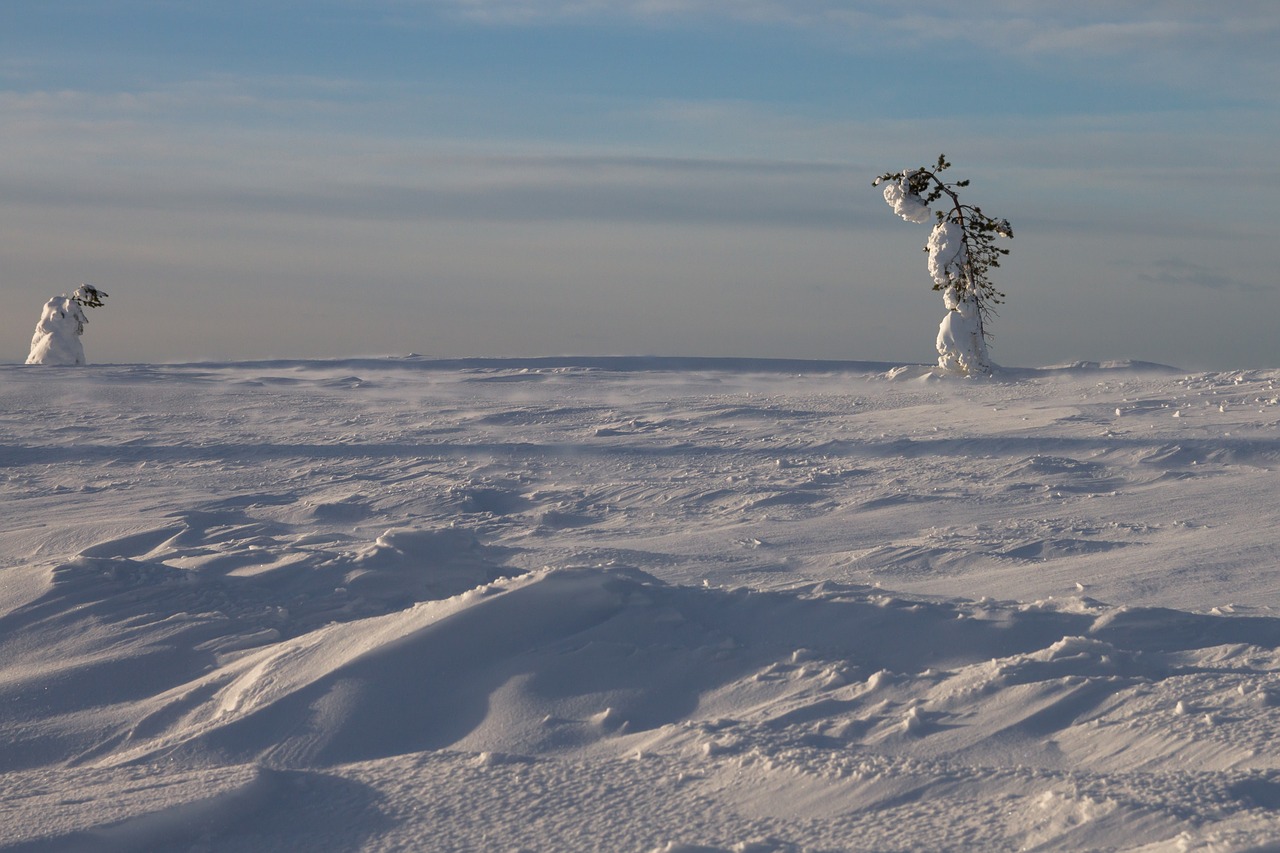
(465, 177)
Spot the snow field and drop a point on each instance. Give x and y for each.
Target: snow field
(657, 606)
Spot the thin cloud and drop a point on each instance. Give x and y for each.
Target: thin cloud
(1174, 43)
(554, 189)
(1188, 274)
(1097, 26)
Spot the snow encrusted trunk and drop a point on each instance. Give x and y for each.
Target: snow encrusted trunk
(962, 346)
(57, 336)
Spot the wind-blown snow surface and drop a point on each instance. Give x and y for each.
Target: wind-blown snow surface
(637, 605)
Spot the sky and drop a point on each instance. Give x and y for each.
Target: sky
(325, 178)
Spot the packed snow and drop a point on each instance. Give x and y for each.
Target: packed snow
(638, 605)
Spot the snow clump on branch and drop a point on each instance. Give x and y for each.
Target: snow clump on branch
(906, 203)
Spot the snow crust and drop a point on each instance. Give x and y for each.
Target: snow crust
(638, 604)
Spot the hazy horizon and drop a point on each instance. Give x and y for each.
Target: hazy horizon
(510, 179)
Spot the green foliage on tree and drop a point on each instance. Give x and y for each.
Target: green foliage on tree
(917, 190)
(88, 296)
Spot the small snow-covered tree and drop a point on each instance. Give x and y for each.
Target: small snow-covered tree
(57, 337)
(961, 251)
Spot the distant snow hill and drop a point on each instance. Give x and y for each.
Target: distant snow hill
(632, 603)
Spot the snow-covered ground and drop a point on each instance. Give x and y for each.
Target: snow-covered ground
(637, 605)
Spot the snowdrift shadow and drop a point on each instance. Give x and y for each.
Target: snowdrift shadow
(110, 633)
(569, 659)
(314, 811)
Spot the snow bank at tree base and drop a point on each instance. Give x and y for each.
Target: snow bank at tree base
(581, 608)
